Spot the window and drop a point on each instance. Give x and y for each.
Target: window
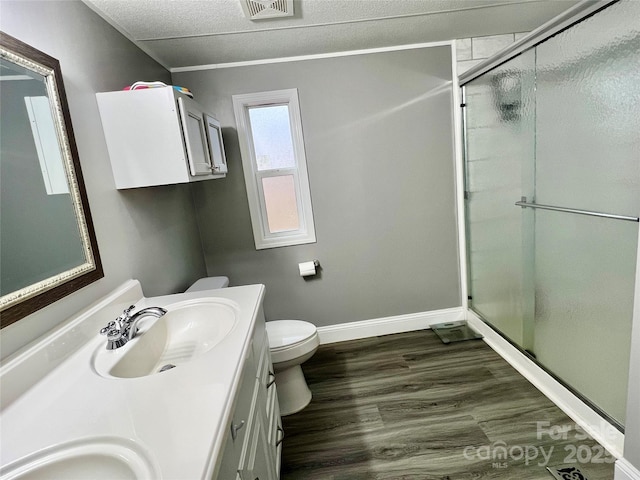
(275, 168)
(47, 146)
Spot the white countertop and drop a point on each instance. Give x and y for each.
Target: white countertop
(175, 418)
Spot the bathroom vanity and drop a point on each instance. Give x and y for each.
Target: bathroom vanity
(190, 396)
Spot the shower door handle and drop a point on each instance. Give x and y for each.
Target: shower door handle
(524, 204)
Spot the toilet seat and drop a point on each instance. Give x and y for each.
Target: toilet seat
(291, 342)
(287, 333)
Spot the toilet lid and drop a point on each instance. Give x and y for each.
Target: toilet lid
(209, 283)
(283, 333)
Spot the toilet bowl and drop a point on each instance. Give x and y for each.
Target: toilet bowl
(291, 342)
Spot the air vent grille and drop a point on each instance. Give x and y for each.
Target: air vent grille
(261, 9)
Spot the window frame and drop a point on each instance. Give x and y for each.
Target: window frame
(253, 177)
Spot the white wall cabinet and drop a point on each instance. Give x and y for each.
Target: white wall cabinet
(254, 437)
(157, 136)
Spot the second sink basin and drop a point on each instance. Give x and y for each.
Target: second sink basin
(98, 459)
(186, 331)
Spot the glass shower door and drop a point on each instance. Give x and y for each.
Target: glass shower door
(588, 157)
(499, 154)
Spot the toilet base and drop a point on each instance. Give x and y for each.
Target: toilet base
(293, 392)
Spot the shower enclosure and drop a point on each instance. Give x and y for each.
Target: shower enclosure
(552, 171)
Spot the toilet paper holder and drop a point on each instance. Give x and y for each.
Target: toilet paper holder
(308, 269)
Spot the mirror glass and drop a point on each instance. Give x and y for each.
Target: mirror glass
(47, 244)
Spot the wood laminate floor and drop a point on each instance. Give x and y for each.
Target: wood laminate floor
(406, 406)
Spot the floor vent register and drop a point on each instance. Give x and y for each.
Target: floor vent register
(567, 472)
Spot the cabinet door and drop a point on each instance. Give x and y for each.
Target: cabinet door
(144, 137)
(216, 146)
(257, 464)
(268, 396)
(195, 137)
(229, 462)
(237, 435)
(276, 432)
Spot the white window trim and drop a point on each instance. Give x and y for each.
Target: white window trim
(253, 178)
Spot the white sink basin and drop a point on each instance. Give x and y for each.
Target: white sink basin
(98, 459)
(188, 330)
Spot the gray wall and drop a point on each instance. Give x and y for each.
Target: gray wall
(378, 137)
(148, 234)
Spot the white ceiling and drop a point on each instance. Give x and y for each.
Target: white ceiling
(182, 33)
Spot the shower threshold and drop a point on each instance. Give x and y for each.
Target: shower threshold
(457, 331)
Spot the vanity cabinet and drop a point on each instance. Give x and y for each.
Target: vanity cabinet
(253, 439)
(158, 136)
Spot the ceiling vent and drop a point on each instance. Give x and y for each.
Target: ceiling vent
(261, 9)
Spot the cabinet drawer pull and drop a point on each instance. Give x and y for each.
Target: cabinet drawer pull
(272, 380)
(235, 429)
(278, 442)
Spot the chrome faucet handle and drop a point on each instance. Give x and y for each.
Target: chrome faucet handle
(125, 317)
(110, 326)
(124, 320)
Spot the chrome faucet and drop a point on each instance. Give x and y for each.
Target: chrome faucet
(133, 320)
(125, 327)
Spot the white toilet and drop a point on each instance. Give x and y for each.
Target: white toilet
(291, 342)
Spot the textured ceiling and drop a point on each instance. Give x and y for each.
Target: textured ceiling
(182, 33)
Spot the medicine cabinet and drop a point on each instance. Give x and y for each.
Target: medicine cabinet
(158, 136)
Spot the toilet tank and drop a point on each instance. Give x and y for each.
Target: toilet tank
(208, 283)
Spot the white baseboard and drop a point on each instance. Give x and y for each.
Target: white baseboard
(592, 423)
(625, 471)
(387, 325)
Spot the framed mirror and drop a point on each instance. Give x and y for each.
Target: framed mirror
(48, 247)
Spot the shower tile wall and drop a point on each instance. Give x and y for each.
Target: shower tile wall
(471, 51)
